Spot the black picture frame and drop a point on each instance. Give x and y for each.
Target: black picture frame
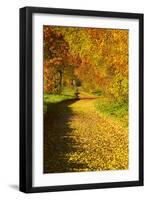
(26, 92)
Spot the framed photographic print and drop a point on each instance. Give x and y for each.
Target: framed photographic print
(81, 99)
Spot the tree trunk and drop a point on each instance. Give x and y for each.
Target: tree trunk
(60, 80)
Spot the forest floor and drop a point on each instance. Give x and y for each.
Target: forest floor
(79, 137)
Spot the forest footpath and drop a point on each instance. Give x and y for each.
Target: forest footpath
(79, 137)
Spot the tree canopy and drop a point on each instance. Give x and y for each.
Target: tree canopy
(97, 58)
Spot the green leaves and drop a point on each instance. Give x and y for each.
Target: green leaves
(118, 88)
(96, 57)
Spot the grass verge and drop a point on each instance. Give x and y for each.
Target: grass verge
(114, 109)
(55, 98)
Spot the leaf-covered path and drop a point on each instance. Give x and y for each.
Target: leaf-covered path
(79, 138)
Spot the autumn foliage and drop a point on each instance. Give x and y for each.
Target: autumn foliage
(86, 127)
(98, 58)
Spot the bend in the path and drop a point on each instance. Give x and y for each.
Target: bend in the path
(78, 138)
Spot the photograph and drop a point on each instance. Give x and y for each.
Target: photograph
(85, 99)
(81, 99)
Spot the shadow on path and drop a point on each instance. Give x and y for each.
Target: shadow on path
(58, 140)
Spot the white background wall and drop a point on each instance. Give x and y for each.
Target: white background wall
(9, 99)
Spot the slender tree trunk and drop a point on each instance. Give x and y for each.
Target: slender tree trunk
(60, 80)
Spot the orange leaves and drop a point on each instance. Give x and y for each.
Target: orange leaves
(55, 51)
(93, 55)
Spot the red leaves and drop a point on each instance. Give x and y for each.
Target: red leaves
(92, 55)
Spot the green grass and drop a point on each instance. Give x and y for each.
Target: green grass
(56, 98)
(113, 109)
(97, 92)
(90, 141)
